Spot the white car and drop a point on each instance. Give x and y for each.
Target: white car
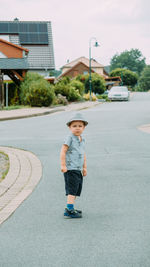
(119, 93)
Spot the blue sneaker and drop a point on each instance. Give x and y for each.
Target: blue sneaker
(79, 211)
(72, 214)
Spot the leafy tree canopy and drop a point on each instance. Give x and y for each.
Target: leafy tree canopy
(144, 81)
(128, 77)
(132, 60)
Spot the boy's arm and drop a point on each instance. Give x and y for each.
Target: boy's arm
(63, 158)
(84, 166)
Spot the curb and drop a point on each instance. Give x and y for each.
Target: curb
(27, 113)
(24, 174)
(31, 115)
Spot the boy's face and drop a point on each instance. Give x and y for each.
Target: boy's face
(77, 127)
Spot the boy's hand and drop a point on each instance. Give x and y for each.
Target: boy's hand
(63, 169)
(84, 172)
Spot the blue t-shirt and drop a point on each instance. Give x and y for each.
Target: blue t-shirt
(75, 152)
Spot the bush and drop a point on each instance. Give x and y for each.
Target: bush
(61, 88)
(87, 96)
(16, 99)
(103, 97)
(36, 91)
(73, 94)
(71, 89)
(78, 86)
(98, 84)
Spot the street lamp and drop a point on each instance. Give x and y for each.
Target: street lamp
(90, 77)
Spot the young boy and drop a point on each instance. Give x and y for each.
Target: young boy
(73, 163)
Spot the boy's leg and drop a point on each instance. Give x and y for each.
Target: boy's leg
(71, 199)
(70, 202)
(71, 185)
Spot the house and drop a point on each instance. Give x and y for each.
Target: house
(35, 36)
(81, 66)
(13, 60)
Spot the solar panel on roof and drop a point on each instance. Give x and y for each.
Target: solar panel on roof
(34, 38)
(29, 33)
(3, 27)
(32, 27)
(23, 27)
(24, 38)
(13, 27)
(42, 27)
(43, 38)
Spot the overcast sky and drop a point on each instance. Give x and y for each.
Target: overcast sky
(117, 25)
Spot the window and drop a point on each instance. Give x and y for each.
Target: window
(85, 72)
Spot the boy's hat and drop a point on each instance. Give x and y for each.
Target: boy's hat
(77, 117)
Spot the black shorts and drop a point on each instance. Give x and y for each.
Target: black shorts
(73, 182)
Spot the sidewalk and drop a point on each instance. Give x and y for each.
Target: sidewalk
(33, 112)
(25, 172)
(25, 169)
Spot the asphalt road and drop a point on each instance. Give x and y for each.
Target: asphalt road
(115, 228)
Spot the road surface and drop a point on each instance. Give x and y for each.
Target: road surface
(115, 228)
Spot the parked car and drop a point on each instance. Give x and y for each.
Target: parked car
(119, 93)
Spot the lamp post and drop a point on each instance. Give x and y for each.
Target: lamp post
(90, 77)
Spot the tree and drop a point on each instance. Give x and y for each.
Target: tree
(132, 60)
(128, 77)
(98, 84)
(144, 81)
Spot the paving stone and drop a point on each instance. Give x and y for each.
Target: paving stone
(26, 170)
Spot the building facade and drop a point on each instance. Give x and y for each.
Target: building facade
(13, 61)
(36, 36)
(81, 66)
